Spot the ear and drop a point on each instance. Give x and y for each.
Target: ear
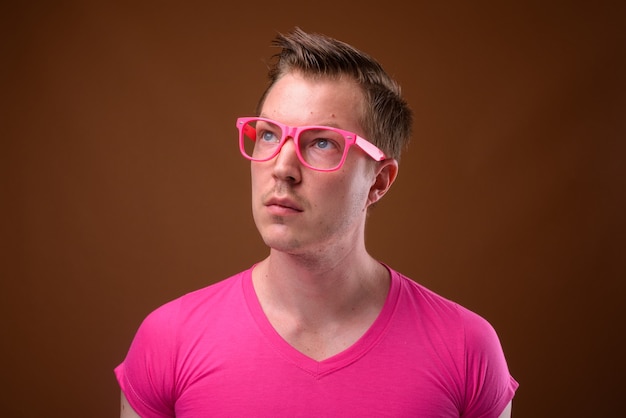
(386, 173)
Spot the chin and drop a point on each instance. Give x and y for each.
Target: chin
(282, 244)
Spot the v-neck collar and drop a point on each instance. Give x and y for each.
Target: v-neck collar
(343, 359)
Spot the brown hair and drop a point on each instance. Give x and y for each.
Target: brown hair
(387, 119)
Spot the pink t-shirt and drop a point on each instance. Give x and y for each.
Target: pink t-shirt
(213, 353)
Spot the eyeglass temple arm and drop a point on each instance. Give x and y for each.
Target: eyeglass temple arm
(370, 149)
(249, 131)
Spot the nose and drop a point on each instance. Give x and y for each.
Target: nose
(287, 166)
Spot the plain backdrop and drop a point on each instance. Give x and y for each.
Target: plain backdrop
(122, 187)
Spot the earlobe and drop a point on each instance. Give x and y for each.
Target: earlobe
(386, 173)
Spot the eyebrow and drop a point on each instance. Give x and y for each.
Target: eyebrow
(328, 125)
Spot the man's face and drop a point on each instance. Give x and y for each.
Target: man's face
(296, 209)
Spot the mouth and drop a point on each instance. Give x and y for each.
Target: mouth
(283, 205)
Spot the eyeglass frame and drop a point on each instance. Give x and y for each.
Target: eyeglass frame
(294, 132)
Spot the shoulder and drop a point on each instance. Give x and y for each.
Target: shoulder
(443, 316)
(429, 300)
(470, 340)
(427, 303)
(172, 339)
(195, 305)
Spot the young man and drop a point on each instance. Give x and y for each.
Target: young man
(319, 327)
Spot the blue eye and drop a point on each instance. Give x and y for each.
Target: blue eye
(268, 136)
(322, 143)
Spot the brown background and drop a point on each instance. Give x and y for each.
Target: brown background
(121, 184)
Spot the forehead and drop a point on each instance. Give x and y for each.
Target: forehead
(297, 99)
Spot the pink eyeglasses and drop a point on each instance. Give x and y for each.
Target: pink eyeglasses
(321, 148)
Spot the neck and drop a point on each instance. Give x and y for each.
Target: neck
(316, 291)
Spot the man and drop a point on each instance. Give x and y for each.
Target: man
(319, 327)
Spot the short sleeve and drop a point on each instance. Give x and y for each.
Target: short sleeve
(146, 376)
(489, 385)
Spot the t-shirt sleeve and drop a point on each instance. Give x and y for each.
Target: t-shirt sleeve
(146, 376)
(489, 385)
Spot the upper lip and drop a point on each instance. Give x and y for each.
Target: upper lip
(285, 202)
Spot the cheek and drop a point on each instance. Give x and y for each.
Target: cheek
(351, 195)
(358, 184)
(257, 178)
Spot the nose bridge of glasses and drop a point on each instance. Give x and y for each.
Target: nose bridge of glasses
(292, 152)
(290, 132)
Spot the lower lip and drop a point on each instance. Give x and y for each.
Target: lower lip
(281, 210)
